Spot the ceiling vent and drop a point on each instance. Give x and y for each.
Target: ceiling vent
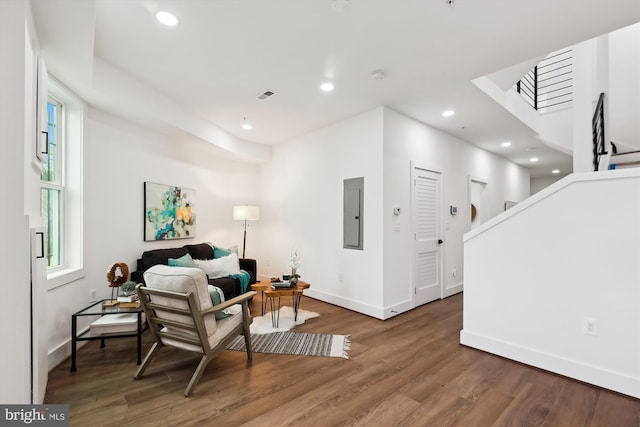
(266, 94)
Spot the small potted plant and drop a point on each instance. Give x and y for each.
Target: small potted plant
(128, 287)
(294, 265)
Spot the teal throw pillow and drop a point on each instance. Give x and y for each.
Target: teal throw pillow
(222, 252)
(184, 261)
(217, 297)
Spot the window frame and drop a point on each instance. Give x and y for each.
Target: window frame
(58, 184)
(72, 200)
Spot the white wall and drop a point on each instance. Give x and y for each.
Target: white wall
(302, 192)
(15, 172)
(407, 140)
(533, 274)
(301, 207)
(624, 86)
(120, 157)
(537, 184)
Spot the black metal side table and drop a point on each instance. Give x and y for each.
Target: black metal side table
(96, 309)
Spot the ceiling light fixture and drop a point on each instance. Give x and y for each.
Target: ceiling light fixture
(448, 113)
(167, 18)
(555, 171)
(327, 87)
(533, 159)
(246, 125)
(506, 144)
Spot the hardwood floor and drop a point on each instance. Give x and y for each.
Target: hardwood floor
(406, 371)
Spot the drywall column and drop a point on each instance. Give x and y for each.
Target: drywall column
(14, 252)
(583, 96)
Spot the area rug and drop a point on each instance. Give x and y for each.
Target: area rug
(262, 324)
(296, 343)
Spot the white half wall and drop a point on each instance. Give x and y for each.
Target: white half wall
(536, 274)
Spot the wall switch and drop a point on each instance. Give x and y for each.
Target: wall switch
(92, 295)
(590, 326)
(340, 277)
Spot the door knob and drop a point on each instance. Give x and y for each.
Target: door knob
(440, 241)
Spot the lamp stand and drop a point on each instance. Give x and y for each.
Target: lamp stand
(244, 240)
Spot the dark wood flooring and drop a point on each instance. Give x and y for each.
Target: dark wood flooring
(406, 371)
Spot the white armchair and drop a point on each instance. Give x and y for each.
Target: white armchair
(180, 314)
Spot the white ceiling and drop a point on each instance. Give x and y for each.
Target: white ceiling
(203, 76)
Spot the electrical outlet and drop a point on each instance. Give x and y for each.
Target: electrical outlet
(267, 263)
(454, 271)
(340, 277)
(92, 295)
(590, 326)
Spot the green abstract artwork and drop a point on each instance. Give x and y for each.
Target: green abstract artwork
(168, 212)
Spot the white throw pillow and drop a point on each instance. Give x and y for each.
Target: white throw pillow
(219, 267)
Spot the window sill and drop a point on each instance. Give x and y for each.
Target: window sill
(63, 277)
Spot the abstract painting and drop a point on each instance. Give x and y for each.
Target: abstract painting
(168, 212)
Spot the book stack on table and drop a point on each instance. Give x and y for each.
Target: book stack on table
(281, 285)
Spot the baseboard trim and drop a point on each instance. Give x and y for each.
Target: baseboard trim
(396, 309)
(455, 289)
(580, 371)
(62, 352)
(347, 303)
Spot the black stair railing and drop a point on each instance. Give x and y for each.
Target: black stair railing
(597, 127)
(550, 83)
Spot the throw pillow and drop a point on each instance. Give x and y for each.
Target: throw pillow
(219, 252)
(184, 261)
(219, 267)
(217, 297)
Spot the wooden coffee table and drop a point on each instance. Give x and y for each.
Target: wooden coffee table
(267, 292)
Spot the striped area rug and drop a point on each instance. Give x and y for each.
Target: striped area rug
(297, 343)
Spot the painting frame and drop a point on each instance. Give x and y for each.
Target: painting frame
(169, 212)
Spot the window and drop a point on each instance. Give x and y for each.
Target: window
(61, 186)
(52, 184)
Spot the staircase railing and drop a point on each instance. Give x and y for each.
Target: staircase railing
(550, 83)
(597, 127)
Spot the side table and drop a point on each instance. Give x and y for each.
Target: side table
(96, 309)
(267, 292)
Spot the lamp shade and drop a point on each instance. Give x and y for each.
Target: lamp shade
(246, 212)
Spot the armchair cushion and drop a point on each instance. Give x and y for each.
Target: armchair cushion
(182, 280)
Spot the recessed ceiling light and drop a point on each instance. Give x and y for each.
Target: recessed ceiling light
(506, 144)
(246, 125)
(327, 87)
(448, 113)
(167, 18)
(555, 171)
(533, 159)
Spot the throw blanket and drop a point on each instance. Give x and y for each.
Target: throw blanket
(244, 277)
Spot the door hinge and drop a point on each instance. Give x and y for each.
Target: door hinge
(415, 291)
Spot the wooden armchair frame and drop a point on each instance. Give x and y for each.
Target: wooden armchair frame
(155, 314)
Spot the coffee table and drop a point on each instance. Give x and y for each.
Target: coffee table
(267, 292)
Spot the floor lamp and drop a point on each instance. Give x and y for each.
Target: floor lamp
(245, 213)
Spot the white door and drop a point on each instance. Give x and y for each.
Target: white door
(426, 227)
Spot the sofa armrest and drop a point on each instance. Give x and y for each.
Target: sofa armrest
(251, 266)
